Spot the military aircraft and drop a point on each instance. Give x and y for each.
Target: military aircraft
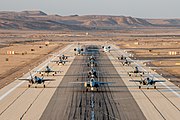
(122, 58)
(147, 81)
(136, 72)
(63, 57)
(92, 73)
(106, 48)
(92, 84)
(92, 63)
(47, 71)
(78, 51)
(92, 57)
(126, 62)
(36, 80)
(60, 61)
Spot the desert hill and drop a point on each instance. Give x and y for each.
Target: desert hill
(38, 20)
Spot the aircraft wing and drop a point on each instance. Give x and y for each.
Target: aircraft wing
(159, 81)
(105, 83)
(56, 71)
(49, 79)
(65, 61)
(40, 71)
(25, 79)
(131, 72)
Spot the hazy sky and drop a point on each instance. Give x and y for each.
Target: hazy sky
(135, 8)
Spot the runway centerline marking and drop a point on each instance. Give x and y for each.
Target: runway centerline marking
(12, 89)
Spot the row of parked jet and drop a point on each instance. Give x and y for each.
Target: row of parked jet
(62, 61)
(93, 84)
(148, 80)
(92, 74)
(81, 51)
(47, 71)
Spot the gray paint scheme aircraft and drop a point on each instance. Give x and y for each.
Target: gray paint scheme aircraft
(60, 61)
(126, 62)
(47, 71)
(106, 48)
(36, 80)
(122, 58)
(92, 73)
(148, 82)
(92, 84)
(136, 72)
(92, 57)
(78, 51)
(92, 63)
(63, 57)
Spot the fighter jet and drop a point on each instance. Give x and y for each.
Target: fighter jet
(122, 58)
(136, 72)
(147, 81)
(92, 84)
(92, 73)
(47, 71)
(106, 48)
(35, 80)
(92, 63)
(60, 61)
(78, 51)
(92, 57)
(63, 57)
(126, 62)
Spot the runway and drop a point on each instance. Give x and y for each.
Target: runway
(72, 103)
(63, 100)
(161, 103)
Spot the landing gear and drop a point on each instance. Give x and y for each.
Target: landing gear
(139, 87)
(44, 86)
(29, 85)
(41, 74)
(53, 74)
(92, 88)
(35, 86)
(154, 87)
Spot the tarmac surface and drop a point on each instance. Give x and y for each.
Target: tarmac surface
(64, 100)
(72, 102)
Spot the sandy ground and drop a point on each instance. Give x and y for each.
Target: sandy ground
(26, 56)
